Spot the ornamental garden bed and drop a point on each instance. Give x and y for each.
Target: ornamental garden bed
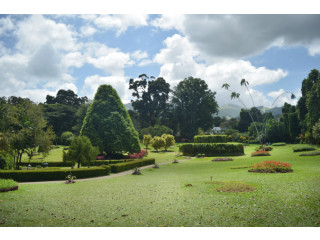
(271, 167)
(260, 153)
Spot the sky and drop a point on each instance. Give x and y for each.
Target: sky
(41, 53)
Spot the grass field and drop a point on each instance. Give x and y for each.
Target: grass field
(160, 197)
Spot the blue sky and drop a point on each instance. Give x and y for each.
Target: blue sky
(40, 54)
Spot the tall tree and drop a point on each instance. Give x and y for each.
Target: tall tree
(194, 105)
(151, 99)
(245, 118)
(108, 124)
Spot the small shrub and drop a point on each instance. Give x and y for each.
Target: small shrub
(264, 148)
(279, 144)
(315, 153)
(136, 171)
(302, 149)
(143, 153)
(70, 179)
(271, 167)
(221, 159)
(8, 185)
(260, 153)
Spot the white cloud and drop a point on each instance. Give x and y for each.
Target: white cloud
(6, 25)
(138, 55)
(119, 22)
(36, 30)
(281, 96)
(169, 21)
(92, 83)
(88, 30)
(180, 59)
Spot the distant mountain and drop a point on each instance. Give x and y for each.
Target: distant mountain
(233, 111)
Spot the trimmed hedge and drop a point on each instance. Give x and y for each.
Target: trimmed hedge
(120, 167)
(279, 144)
(211, 139)
(314, 153)
(56, 174)
(212, 149)
(106, 162)
(50, 164)
(302, 149)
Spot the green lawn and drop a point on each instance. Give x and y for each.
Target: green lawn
(160, 197)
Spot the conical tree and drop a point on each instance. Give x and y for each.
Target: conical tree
(108, 124)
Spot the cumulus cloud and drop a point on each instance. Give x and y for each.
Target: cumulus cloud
(180, 59)
(6, 25)
(118, 22)
(92, 83)
(237, 36)
(281, 96)
(88, 30)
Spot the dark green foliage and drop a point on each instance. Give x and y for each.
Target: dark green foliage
(279, 144)
(2, 163)
(211, 149)
(56, 174)
(80, 151)
(211, 139)
(108, 124)
(302, 149)
(80, 115)
(66, 97)
(246, 120)
(50, 164)
(151, 98)
(315, 153)
(66, 138)
(156, 130)
(194, 105)
(106, 162)
(8, 185)
(120, 167)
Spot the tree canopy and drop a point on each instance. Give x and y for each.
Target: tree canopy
(108, 124)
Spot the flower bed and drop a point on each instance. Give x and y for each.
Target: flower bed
(271, 167)
(141, 154)
(260, 153)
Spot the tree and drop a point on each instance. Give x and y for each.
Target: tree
(168, 141)
(194, 105)
(316, 131)
(66, 138)
(26, 129)
(66, 97)
(245, 119)
(156, 130)
(151, 98)
(79, 117)
(108, 124)
(157, 142)
(146, 140)
(80, 151)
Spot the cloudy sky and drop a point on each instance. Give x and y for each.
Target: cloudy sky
(40, 54)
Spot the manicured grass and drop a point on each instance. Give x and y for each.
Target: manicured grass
(7, 183)
(160, 197)
(55, 155)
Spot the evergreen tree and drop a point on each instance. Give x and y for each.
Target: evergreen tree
(108, 124)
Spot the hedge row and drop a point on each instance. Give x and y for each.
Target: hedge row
(55, 174)
(212, 149)
(302, 149)
(106, 162)
(120, 167)
(50, 164)
(211, 139)
(279, 144)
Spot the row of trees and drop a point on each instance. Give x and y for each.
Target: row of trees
(185, 109)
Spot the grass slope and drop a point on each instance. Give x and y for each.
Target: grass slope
(160, 197)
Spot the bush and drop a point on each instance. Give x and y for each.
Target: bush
(50, 164)
(212, 149)
(264, 148)
(120, 167)
(271, 167)
(56, 174)
(310, 153)
(143, 153)
(260, 153)
(66, 138)
(168, 140)
(279, 144)
(211, 139)
(302, 149)
(8, 185)
(146, 140)
(157, 143)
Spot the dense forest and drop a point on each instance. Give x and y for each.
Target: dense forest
(187, 110)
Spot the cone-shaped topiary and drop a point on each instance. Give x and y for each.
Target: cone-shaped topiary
(108, 124)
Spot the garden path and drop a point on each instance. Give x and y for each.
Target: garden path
(103, 177)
